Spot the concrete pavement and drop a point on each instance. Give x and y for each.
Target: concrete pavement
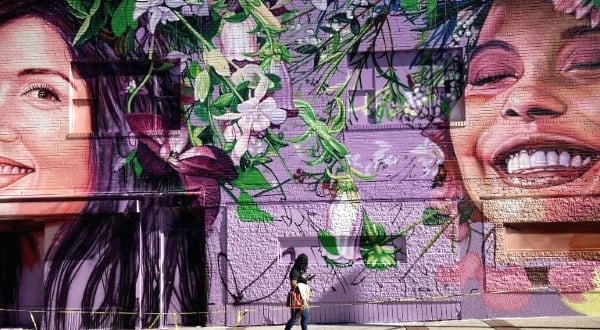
(557, 323)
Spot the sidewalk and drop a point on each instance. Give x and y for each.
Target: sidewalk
(558, 323)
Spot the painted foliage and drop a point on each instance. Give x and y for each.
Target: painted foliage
(164, 161)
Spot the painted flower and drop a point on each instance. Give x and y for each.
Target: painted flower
(284, 96)
(382, 162)
(179, 58)
(255, 77)
(130, 88)
(344, 225)
(187, 7)
(431, 157)
(580, 8)
(254, 116)
(172, 148)
(163, 150)
(159, 13)
(237, 40)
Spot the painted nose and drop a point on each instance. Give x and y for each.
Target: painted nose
(530, 104)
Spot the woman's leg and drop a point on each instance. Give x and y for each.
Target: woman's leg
(304, 320)
(295, 314)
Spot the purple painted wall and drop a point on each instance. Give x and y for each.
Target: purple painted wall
(164, 162)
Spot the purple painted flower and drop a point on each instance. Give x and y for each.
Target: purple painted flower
(237, 40)
(157, 10)
(131, 87)
(284, 96)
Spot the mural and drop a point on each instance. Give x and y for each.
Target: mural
(164, 161)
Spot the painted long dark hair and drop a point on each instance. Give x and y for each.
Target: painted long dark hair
(114, 248)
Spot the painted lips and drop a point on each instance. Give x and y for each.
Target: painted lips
(12, 171)
(6, 169)
(536, 167)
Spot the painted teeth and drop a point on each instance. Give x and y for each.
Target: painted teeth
(13, 170)
(539, 160)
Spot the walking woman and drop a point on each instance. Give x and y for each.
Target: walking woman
(298, 281)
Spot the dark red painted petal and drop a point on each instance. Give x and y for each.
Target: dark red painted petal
(151, 162)
(205, 161)
(208, 196)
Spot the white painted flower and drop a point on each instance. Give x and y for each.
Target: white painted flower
(379, 162)
(254, 116)
(256, 145)
(158, 11)
(431, 157)
(253, 74)
(344, 223)
(237, 40)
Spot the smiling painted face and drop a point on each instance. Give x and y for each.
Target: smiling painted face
(36, 89)
(533, 105)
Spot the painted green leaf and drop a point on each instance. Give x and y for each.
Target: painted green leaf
(342, 18)
(194, 68)
(90, 27)
(328, 242)
(201, 111)
(339, 121)
(339, 148)
(201, 86)
(224, 100)
(78, 8)
(431, 5)
(328, 29)
(597, 4)
(275, 141)
(217, 61)
(237, 18)
(432, 217)
(307, 49)
(335, 43)
(301, 137)
(82, 30)
(122, 17)
(355, 26)
(465, 213)
(95, 7)
(306, 109)
(410, 5)
(251, 179)
(248, 210)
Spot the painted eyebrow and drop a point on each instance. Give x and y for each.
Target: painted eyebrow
(492, 44)
(578, 31)
(38, 71)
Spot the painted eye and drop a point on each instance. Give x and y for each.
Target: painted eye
(492, 78)
(42, 93)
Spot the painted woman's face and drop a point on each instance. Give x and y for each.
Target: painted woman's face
(36, 88)
(533, 106)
